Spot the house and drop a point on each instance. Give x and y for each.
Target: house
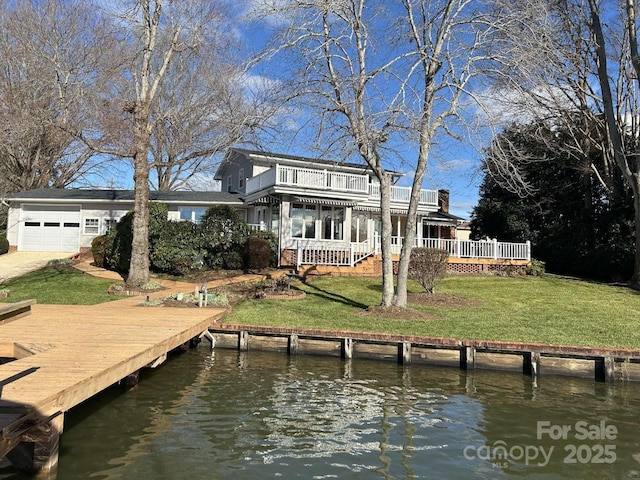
(325, 214)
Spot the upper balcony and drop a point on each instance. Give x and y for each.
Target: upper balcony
(328, 181)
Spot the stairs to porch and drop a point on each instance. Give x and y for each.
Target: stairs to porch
(370, 266)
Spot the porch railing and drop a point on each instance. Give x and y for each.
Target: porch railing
(334, 255)
(356, 252)
(257, 227)
(473, 248)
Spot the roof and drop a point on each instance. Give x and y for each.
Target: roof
(273, 158)
(442, 216)
(64, 195)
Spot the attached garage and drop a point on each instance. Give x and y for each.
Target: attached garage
(50, 228)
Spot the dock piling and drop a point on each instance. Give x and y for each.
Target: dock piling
(38, 451)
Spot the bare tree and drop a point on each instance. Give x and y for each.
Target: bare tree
(384, 78)
(206, 104)
(175, 100)
(160, 37)
(564, 66)
(47, 61)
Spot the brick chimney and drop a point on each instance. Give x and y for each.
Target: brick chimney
(443, 200)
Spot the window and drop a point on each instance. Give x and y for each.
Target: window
(192, 214)
(108, 224)
(303, 221)
(359, 222)
(332, 223)
(305, 217)
(91, 226)
(241, 179)
(229, 183)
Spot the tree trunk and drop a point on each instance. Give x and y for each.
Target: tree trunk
(387, 255)
(139, 264)
(629, 169)
(400, 299)
(635, 279)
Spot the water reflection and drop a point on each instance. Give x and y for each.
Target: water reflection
(260, 415)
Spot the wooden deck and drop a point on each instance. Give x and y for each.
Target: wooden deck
(66, 354)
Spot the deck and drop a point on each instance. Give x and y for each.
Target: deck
(66, 354)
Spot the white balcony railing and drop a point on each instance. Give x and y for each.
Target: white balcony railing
(281, 175)
(403, 194)
(308, 178)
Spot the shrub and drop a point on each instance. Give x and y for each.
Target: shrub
(158, 220)
(98, 247)
(178, 249)
(224, 234)
(233, 261)
(117, 255)
(117, 251)
(4, 243)
(427, 265)
(272, 240)
(535, 268)
(258, 253)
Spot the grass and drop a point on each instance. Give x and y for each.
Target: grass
(526, 309)
(62, 285)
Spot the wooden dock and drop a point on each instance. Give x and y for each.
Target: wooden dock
(66, 354)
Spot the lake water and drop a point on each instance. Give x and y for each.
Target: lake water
(255, 415)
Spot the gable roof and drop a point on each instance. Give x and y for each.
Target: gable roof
(269, 158)
(64, 195)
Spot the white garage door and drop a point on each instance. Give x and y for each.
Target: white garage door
(47, 228)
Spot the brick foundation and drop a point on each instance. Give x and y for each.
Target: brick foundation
(288, 258)
(372, 267)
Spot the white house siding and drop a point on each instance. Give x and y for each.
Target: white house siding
(13, 220)
(104, 214)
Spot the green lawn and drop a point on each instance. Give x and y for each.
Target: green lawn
(527, 309)
(62, 285)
